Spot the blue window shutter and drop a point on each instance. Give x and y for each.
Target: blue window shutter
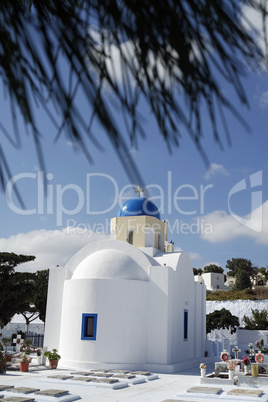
(89, 327)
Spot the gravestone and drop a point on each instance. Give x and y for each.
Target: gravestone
(236, 351)
(205, 390)
(18, 399)
(52, 392)
(83, 373)
(23, 390)
(60, 377)
(4, 387)
(85, 379)
(246, 392)
(105, 380)
(18, 342)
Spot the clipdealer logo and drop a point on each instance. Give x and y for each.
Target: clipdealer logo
(185, 200)
(254, 220)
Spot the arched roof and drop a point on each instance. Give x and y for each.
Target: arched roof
(109, 264)
(139, 206)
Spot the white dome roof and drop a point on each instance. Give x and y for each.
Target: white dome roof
(109, 264)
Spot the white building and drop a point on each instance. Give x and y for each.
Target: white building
(213, 280)
(125, 302)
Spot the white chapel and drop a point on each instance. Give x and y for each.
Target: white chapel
(130, 302)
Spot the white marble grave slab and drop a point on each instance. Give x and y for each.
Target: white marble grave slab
(205, 390)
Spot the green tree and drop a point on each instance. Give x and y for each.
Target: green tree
(191, 41)
(213, 268)
(243, 270)
(221, 319)
(16, 288)
(197, 271)
(259, 320)
(40, 297)
(243, 280)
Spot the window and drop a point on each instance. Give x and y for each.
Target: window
(89, 326)
(185, 325)
(130, 237)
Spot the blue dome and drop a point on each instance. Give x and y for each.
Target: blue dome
(139, 206)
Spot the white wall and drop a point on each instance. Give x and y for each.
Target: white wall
(140, 322)
(200, 319)
(244, 337)
(121, 323)
(157, 315)
(54, 307)
(213, 280)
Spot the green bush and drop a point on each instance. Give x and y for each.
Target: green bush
(258, 321)
(219, 319)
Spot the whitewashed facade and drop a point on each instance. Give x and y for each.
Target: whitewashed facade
(118, 305)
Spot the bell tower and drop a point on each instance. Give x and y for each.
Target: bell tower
(138, 223)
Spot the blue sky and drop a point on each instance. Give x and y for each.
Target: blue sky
(224, 217)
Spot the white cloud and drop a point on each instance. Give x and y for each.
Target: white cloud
(50, 247)
(121, 61)
(263, 100)
(252, 20)
(226, 227)
(214, 170)
(194, 256)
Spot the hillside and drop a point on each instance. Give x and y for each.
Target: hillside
(246, 294)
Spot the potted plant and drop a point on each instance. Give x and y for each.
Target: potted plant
(5, 358)
(38, 352)
(53, 358)
(24, 362)
(246, 363)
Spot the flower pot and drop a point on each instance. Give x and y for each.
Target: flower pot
(39, 359)
(53, 363)
(203, 372)
(231, 374)
(254, 369)
(24, 366)
(246, 369)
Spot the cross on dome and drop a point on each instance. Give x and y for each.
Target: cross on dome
(139, 190)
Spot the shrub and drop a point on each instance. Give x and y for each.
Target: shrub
(245, 294)
(259, 320)
(221, 319)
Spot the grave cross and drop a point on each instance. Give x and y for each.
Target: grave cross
(17, 341)
(236, 350)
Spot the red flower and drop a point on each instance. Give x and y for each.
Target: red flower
(246, 361)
